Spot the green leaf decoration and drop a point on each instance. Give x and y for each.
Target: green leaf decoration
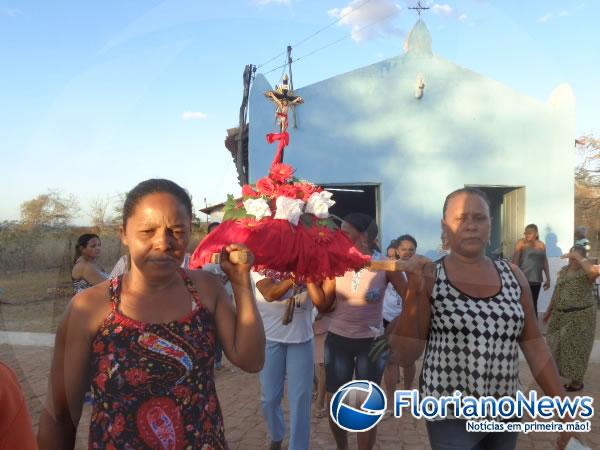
(232, 211)
(329, 223)
(307, 220)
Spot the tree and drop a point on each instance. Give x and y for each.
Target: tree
(587, 185)
(588, 150)
(117, 216)
(99, 212)
(52, 209)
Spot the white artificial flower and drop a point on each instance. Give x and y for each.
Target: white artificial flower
(257, 207)
(289, 209)
(319, 204)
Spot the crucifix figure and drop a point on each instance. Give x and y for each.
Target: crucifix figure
(283, 98)
(419, 8)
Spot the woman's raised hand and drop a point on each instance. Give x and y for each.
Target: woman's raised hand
(416, 264)
(234, 270)
(572, 255)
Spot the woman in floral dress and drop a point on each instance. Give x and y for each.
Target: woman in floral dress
(145, 340)
(572, 316)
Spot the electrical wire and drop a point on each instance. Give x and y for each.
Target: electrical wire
(310, 36)
(343, 38)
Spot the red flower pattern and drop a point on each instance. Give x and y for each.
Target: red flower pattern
(287, 190)
(307, 189)
(127, 376)
(266, 187)
(182, 391)
(281, 172)
(100, 381)
(136, 376)
(211, 406)
(98, 347)
(104, 364)
(321, 235)
(252, 223)
(248, 191)
(118, 425)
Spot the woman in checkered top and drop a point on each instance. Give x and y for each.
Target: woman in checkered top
(471, 314)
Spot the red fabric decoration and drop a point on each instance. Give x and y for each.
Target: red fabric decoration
(311, 250)
(160, 424)
(282, 250)
(284, 140)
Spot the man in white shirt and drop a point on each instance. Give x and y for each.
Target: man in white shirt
(289, 354)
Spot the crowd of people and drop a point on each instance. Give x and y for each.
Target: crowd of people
(146, 338)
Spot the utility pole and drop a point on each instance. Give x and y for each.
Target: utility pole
(239, 160)
(289, 61)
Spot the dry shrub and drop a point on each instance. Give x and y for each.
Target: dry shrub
(24, 249)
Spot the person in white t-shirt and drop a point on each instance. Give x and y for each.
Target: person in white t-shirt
(392, 307)
(289, 354)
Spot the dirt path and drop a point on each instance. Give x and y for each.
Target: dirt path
(245, 430)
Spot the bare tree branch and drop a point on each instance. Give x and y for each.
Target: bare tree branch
(99, 212)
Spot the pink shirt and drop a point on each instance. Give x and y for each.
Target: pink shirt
(321, 325)
(359, 304)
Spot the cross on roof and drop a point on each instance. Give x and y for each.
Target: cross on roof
(419, 8)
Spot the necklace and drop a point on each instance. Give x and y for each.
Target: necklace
(357, 275)
(356, 279)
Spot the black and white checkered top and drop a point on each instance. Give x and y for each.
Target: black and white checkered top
(473, 342)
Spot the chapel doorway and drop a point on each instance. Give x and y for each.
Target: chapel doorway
(355, 198)
(507, 208)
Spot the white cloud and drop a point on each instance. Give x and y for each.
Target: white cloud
(190, 115)
(552, 16)
(368, 18)
(545, 18)
(445, 9)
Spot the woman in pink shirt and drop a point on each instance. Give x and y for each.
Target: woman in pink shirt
(356, 321)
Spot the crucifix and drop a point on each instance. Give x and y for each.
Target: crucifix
(419, 8)
(284, 98)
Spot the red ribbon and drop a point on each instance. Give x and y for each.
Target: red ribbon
(284, 140)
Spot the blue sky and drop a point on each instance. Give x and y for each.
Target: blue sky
(94, 95)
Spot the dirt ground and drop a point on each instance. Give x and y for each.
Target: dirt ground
(33, 301)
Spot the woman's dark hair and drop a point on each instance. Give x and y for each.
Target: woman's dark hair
(211, 226)
(154, 186)
(406, 237)
(364, 223)
(465, 190)
(533, 226)
(82, 242)
(393, 245)
(580, 249)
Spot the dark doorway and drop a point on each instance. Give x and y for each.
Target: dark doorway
(355, 198)
(507, 208)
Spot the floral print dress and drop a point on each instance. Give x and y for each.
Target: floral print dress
(572, 324)
(153, 384)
